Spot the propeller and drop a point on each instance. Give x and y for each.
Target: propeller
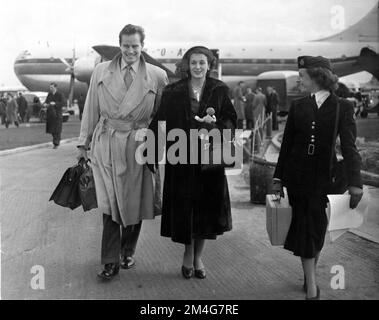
(70, 68)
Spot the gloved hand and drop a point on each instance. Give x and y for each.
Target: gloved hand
(277, 188)
(355, 196)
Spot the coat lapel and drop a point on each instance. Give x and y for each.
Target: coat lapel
(113, 81)
(141, 85)
(127, 100)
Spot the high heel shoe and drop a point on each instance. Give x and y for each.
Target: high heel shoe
(317, 297)
(187, 272)
(200, 273)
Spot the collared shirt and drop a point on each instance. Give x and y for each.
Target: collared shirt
(321, 96)
(133, 70)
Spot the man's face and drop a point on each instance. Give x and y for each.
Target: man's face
(131, 47)
(52, 89)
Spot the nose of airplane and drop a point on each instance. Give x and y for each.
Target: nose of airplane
(84, 67)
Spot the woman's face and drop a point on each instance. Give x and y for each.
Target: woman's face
(306, 82)
(198, 65)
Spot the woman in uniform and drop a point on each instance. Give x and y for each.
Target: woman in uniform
(305, 159)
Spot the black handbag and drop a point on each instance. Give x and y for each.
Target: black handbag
(87, 190)
(338, 176)
(66, 194)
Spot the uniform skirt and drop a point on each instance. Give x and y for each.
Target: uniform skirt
(306, 235)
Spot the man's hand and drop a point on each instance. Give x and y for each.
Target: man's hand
(141, 134)
(277, 188)
(52, 103)
(82, 153)
(356, 195)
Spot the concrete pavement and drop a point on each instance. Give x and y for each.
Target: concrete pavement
(241, 264)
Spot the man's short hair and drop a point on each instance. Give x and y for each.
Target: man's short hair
(54, 84)
(132, 29)
(240, 82)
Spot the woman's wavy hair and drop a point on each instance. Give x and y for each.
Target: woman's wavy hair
(324, 78)
(182, 67)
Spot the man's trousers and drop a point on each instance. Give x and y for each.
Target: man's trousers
(118, 240)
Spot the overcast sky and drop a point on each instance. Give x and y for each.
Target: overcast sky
(24, 23)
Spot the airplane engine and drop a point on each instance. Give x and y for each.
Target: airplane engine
(84, 67)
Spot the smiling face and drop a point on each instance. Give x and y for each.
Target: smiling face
(198, 65)
(306, 82)
(131, 47)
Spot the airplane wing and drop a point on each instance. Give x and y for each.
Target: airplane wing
(109, 52)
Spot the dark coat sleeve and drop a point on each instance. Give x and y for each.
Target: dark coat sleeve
(348, 133)
(287, 143)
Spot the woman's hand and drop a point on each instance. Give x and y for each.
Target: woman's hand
(277, 188)
(82, 153)
(356, 195)
(207, 119)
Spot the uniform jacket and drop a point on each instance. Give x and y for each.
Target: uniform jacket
(54, 113)
(187, 192)
(303, 172)
(111, 117)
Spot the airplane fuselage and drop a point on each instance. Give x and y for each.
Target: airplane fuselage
(36, 69)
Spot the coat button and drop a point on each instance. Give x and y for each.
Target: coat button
(313, 123)
(313, 127)
(313, 140)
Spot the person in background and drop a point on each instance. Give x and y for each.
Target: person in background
(249, 109)
(11, 111)
(304, 162)
(3, 113)
(239, 102)
(272, 106)
(259, 105)
(54, 117)
(22, 107)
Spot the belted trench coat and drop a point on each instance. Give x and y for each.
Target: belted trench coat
(111, 117)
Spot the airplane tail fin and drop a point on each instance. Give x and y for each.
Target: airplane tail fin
(365, 30)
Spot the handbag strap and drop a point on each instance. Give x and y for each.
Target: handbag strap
(335, 134)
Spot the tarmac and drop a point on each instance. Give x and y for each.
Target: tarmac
(65, 245)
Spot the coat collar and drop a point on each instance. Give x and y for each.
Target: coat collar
(115, 85)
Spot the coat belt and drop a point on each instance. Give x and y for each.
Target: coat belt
(119, 125)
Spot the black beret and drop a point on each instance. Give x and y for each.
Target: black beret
(308, 62)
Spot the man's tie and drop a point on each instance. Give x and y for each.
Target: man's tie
(128, 78)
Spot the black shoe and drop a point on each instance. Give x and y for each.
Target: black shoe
(127, 262)
(317, 297)
(187, 272)
(110, 270)
(200, 273)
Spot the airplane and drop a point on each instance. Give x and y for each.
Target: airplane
(352, 50)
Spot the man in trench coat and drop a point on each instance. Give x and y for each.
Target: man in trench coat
(54, 117)
(120, 101)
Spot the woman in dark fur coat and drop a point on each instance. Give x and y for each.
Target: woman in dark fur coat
(196, 204)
